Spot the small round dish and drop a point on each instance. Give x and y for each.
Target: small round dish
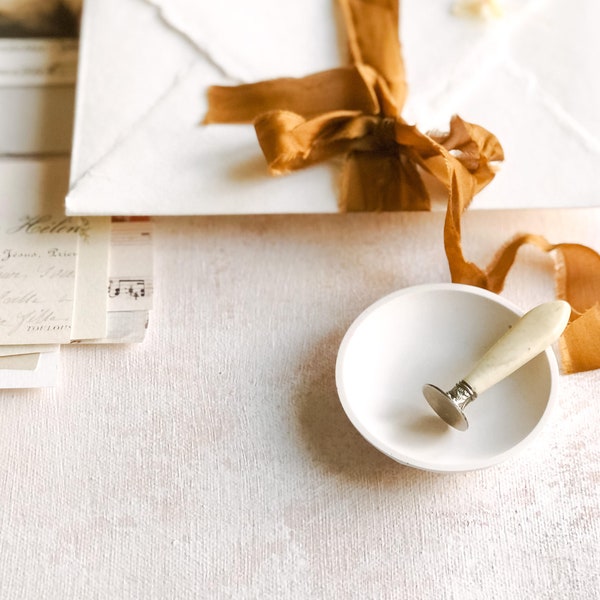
(434, 334)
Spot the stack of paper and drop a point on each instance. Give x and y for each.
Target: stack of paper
(62, 279)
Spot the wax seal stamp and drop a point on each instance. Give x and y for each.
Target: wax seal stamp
(530, 336)
(436, 333)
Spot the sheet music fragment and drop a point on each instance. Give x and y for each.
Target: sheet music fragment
(130, 271)
(129, 289)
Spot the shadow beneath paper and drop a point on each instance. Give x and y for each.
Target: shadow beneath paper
(329, 436)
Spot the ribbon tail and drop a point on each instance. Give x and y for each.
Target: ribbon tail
(461, 270)
(580, 343)
(578, 282)
(462, 161)
(577, 278)
(381, 181)
(372, 30)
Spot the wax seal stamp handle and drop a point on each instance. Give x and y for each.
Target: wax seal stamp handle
(530, 336)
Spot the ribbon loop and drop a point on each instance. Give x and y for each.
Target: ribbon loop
(346, 88)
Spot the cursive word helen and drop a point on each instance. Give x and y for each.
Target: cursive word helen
(50, 224)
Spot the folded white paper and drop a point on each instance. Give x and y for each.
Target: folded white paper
(20, 362)
(17, 350)
(529, 77)
(43, 375)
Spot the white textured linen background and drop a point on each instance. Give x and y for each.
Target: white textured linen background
(215, 461)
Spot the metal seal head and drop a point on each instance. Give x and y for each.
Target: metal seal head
(449, 405)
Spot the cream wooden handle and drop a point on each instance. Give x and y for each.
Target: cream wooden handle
(530, 336)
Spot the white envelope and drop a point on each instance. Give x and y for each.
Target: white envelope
(529, 77)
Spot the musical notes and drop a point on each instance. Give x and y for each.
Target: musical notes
(130, 270)
(133, 288)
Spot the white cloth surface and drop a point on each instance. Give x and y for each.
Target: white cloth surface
(215, 461)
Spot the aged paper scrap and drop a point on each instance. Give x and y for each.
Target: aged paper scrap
(38, 254)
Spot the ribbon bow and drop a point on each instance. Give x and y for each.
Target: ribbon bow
(356, 111)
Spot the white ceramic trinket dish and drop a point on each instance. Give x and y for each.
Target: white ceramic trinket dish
(436, 333)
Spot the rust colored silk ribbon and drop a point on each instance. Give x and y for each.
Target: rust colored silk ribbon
(355, 111)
